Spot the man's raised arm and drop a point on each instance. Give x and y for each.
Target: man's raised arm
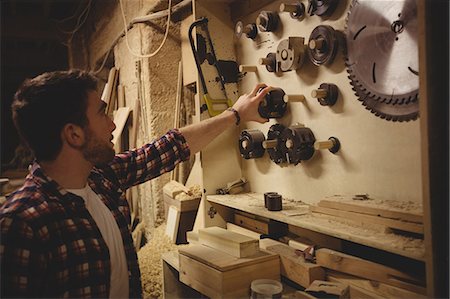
(246, 109)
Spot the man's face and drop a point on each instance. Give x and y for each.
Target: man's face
(98, 148)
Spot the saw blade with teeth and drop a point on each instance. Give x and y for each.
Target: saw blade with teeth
(382, 56)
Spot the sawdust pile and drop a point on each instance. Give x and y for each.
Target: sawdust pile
(195, 192)
(149, 257)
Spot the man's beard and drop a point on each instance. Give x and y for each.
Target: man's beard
(96, 151)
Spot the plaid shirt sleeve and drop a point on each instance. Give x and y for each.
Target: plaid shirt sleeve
(149, 161)
(23, 261)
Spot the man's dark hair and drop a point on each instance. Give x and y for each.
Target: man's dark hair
(43, 105)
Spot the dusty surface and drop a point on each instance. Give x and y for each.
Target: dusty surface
(371, 235)
(393, 205)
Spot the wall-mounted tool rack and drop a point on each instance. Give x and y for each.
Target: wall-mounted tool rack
(377, 153)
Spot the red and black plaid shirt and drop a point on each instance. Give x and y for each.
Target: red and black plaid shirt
(50, 245)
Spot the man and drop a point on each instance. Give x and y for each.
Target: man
(65, 233)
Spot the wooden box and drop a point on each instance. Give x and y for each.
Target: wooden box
(220, 275)
(188, 211)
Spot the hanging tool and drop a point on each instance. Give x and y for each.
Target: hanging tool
(214, 106)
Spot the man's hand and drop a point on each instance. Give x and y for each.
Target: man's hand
(201, 134)
(247, 104)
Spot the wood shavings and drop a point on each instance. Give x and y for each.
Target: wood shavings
(195, 190)
(398, 205)
(149, 258)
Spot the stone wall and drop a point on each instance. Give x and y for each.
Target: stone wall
(158, 78)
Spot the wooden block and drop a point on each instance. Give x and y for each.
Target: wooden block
(348, 205)
(359, 267)
(237, 229)
(184, 205)
(267, 242)
(251, 224)
(396, 224)
(331, 289)
(364, 288)
(192, 237)
(173, 219)
(235, 244)
(295, 267)
(220, 275)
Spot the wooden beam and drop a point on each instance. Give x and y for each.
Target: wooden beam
(359, 267)
(364, 209)
(252, 224)
(397, 224)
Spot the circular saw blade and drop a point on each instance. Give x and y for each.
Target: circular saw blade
(382, 56)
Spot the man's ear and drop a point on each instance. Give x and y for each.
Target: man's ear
(73, 135)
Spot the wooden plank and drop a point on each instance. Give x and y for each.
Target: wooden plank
(356, 266)
(232, 283)
(365, 209)
(173, 219)
(330, 289)
(316, 238)
(294, 266)
(109, 88)
(397, 224)
(222, 261)
(251, 224)
(237, 229)
(120, 119)
(230, 242)
(376, 289)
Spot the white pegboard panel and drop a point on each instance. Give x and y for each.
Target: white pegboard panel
(377, 157)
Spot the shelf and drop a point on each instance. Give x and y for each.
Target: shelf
(297, 214)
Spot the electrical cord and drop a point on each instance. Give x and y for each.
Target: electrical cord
(126, 32)
(142, 19)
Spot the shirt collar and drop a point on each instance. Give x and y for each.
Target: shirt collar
(50, 186)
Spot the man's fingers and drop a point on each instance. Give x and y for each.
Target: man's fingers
(263, 92)
(257, 87)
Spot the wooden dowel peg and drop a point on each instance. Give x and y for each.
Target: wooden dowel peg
(332, 144)
(294, 98)
(297, 10)
(247, 68)
(284, 7)
(265, 61)
(319, 93)
(244, 144)
(271, 143)
(289, 143)
(320, 145)
(316, 44)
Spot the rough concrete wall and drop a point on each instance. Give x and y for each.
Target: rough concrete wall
(158, 77)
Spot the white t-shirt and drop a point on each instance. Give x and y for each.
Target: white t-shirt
(111, 233)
